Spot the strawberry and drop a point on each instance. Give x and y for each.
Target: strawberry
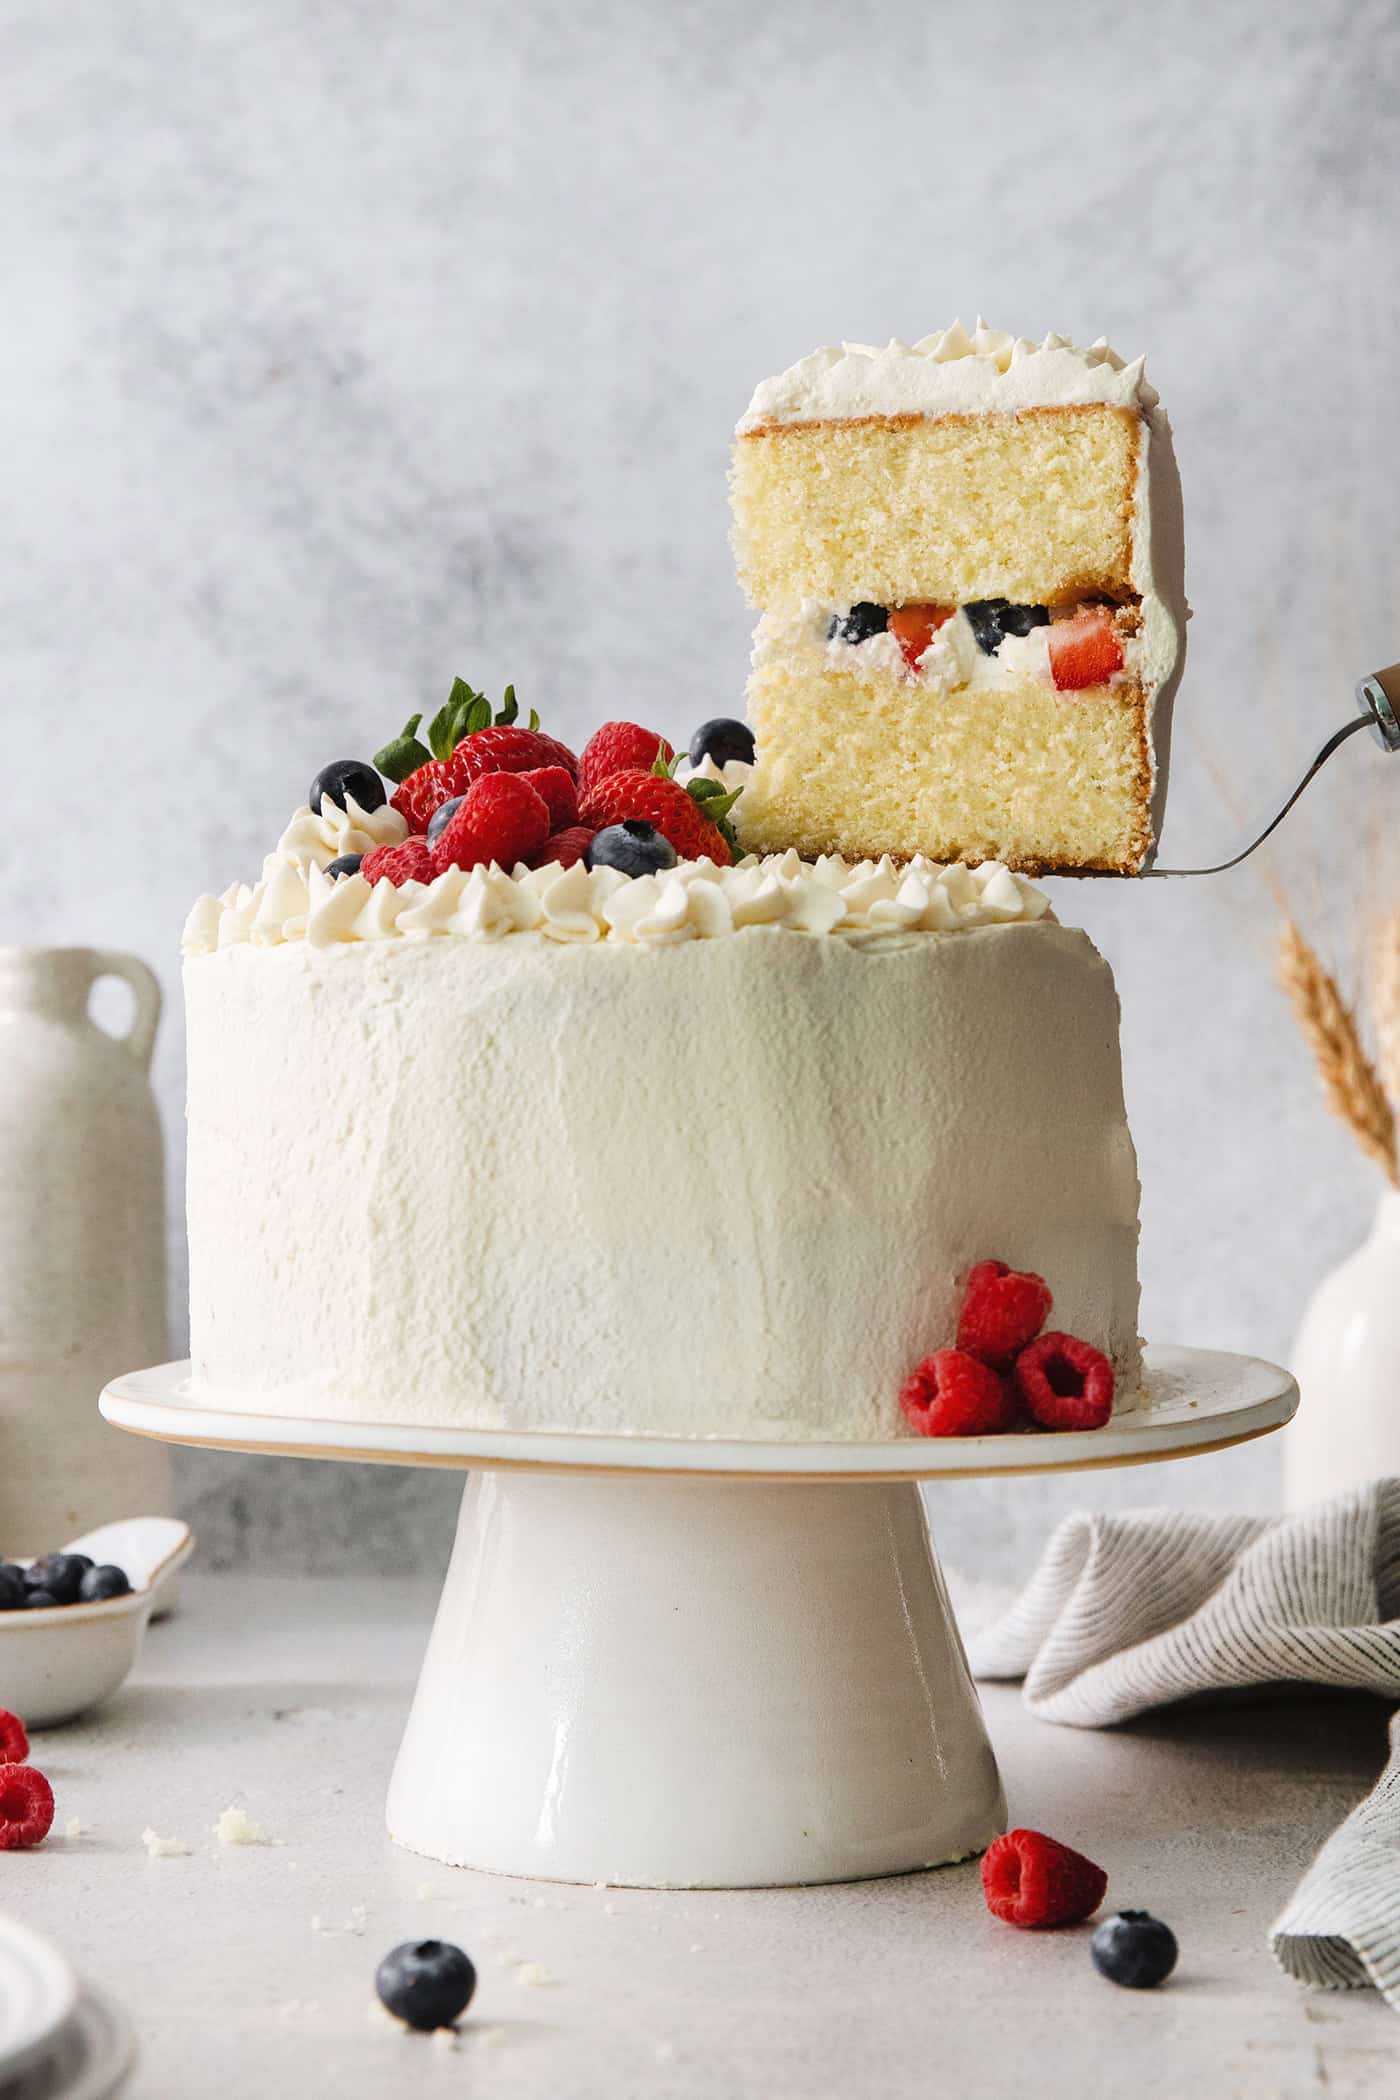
(14, 1743)
(914, 627)
(1002, 1310)
(677, 813)
(501, 819)
(556, 785)
(1084, 650)
(1032, 1880)
(951, 1394)
(563, 848)
(26, 1807)
(616, 748)
(466, 741)
(410, 862)
(1065, 1383)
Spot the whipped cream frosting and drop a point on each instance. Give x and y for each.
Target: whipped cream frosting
(314, 840)
(577, 906)
(948, 373)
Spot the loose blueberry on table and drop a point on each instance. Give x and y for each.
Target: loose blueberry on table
(347, 777)
(724, 740)
(1135, 1949)
(425, 1983)
(633, 848)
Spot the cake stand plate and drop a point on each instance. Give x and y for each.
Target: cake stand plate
(705, 1663)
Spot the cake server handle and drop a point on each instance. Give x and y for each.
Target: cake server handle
(1378, 699)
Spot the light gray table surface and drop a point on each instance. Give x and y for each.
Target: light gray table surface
(249, 1970)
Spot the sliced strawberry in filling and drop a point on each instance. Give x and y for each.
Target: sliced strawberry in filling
(914, 627)
(1084, 650)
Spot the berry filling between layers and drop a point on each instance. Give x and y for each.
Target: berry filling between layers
(990, 642)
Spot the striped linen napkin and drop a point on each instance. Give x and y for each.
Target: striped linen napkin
(1129, 1612)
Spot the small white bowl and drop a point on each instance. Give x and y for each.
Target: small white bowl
(57, 1663)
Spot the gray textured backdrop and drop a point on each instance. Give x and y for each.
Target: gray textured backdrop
(347, 347)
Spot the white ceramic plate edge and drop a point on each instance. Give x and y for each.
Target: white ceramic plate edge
(52, 2002)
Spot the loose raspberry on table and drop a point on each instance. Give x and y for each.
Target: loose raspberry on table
(555, 786)
(619, 747)
(1033, 1881)
(1002, 1310)
(951, 1394)
(410, 862)
(1065, 1383)
(563, 848)
(26, 1807)
(14, 1742)
(501, 819)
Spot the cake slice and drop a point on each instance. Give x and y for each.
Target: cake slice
(967, 556)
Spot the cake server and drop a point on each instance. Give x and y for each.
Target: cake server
(1378, 702)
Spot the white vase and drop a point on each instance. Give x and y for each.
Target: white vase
(82, 1245)
(1347, 1363)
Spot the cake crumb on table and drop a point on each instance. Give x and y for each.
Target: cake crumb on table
(234, 1827)
(158, 1847)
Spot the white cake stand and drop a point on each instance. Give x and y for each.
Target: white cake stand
(696, 1663)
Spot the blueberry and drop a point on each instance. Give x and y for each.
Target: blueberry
(859, 623)
(348, 864)
(993, 619)
(633, 848)
(58, 1573)
(103, 1582)
(40, 1600)
(1134, 1948)
(13, 1591)
(1019, 619)
(722, 740)
(425, 1983)
(348, 776)
(441, 818)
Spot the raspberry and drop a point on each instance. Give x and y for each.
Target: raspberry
(1031, 1880)
(502, 819)
(14, 1743)
(1002, 1310)
(619, 747)
(410, 862)
(563, 848)
(951, 1394)
(1064, 1383)
(26, 1807)
(647, 798)
(555, 785)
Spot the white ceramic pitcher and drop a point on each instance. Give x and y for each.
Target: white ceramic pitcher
(82, 1245)
(1347, 1363)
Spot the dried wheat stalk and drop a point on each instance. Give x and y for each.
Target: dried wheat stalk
(1383, 961)
(1350, 1081)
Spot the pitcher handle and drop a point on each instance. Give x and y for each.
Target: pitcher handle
(140, 1038)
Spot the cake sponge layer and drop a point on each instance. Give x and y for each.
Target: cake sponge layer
(870, 764)
(1034, 506)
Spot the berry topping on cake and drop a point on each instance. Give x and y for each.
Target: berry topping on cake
(26, 1807)
(563, 849)
(1064, 1383)
(14, 1742)
(1033, 1881)
(410, 862)
(425, 1983)
(1002, 1310)
(501, 819)
(1084, 650)
(619, 747)
(993, 619)
(859, 624)
(347, 777)
(722, 740)
(633, 848)
(464, 743)
(1135, 1949)
(555, 787)
(103, 1582)
(914, 627)
(348, 864)
(951, 1394)
(60, 1574)
(694, 817)
(442, 816)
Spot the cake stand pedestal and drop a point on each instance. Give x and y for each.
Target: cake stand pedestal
(670, 1662)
